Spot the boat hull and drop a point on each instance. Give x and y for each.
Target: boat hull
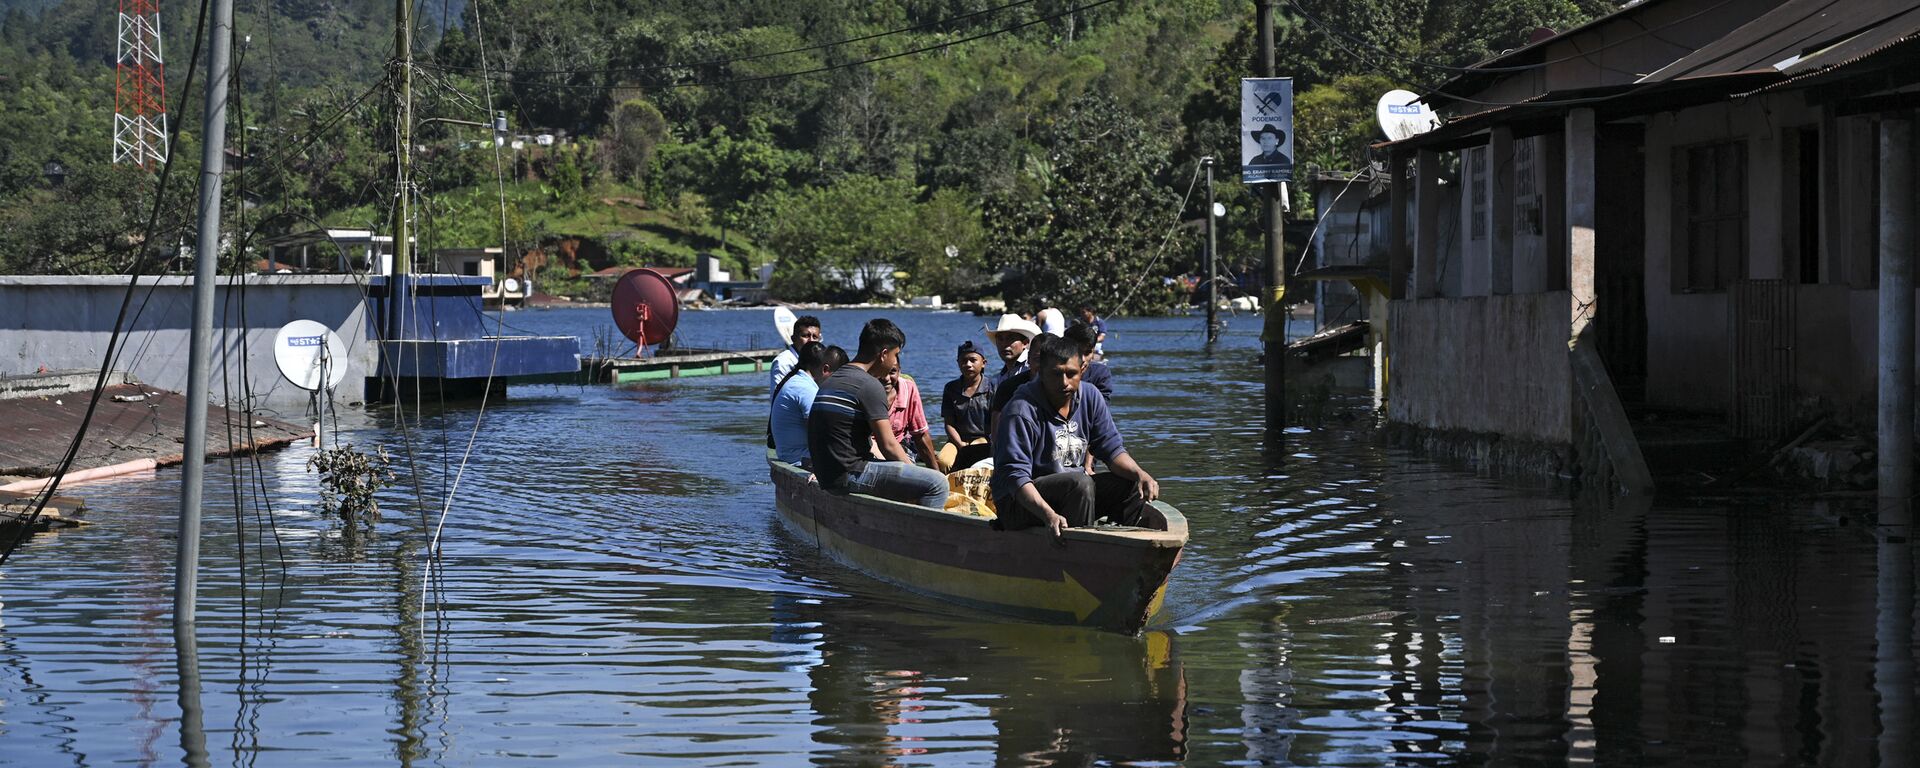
(1102, 577)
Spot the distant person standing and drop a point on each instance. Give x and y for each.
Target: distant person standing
(805, 328)
(850, 415)
(1099, 330)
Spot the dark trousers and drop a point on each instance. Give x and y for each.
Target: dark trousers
(1081, 499)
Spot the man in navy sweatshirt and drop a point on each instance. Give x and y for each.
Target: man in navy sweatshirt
(1040, 452)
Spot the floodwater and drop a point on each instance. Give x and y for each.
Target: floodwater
(617, 589)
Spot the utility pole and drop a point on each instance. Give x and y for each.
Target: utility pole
(1273, 335)
(401, 261)
(1213, 259)
(206, 263)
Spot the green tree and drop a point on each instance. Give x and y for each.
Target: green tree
(1087, 226)
(636, 129)
(840, 241)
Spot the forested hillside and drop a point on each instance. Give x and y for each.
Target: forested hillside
(841, 139)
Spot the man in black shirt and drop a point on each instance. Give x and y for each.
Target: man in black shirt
(850, 415)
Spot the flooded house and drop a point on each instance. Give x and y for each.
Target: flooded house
(1674, 214)
(501, 290)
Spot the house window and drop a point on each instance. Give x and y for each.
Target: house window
(470, 268)
(1709, 216)
(1477, 184)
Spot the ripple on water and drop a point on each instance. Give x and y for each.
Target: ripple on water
(614, 583)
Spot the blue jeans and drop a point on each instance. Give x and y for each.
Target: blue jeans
(900, 481)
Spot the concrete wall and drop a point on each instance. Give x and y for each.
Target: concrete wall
(64, 323)
(1484, 364)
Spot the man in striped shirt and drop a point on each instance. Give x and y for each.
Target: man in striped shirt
(849, 417)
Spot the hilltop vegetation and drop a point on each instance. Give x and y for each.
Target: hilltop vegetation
(1047, 140)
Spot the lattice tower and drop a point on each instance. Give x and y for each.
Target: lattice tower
(140, 91)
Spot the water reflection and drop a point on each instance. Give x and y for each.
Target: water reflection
(891, 684)
(193, 719)
(1893, 637)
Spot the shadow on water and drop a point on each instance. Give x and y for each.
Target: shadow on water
(615, 588)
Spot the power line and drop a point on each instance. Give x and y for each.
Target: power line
(799, 73)
(718, 62)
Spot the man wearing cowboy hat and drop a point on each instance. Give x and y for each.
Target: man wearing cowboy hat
(1271, 139)
(1011, 337)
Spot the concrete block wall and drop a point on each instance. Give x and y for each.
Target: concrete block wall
(63, 322)
(1489, 365)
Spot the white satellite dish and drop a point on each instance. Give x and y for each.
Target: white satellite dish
(310, 355)
(1403, 116)
(510, 285)
(1219, 210)
(783, 321)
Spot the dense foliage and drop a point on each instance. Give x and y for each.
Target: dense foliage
(1049, 142)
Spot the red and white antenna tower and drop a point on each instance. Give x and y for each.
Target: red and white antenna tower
(140, 91)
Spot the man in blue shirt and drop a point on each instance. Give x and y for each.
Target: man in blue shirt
(805, 328)
(793, 400)
(1040, 452)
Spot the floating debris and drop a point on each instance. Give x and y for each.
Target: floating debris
(1375, 616)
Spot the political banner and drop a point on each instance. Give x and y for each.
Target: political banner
(1266, 129)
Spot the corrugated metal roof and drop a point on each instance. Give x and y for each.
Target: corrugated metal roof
(1801, 36)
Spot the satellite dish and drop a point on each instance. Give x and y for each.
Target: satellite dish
(783, 321)
(645, 306)
(1403, 116)
(1219, 210)
(510, 285)
(310, 355)
(953, 251)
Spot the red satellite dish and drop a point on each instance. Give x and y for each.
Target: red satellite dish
(645, 307)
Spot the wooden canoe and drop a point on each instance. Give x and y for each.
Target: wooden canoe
(1111, 578)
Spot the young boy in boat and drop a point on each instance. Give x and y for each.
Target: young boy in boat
(1041, 446)
(850, 415)
(806, 328)
(965, 405)
(793, 400)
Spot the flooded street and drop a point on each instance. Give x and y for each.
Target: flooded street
(616, 588)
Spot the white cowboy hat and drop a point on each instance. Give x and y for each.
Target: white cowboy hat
(1015, 324)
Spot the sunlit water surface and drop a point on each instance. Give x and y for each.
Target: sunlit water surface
(617, 589)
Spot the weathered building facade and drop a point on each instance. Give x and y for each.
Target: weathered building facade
(1679, 206)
